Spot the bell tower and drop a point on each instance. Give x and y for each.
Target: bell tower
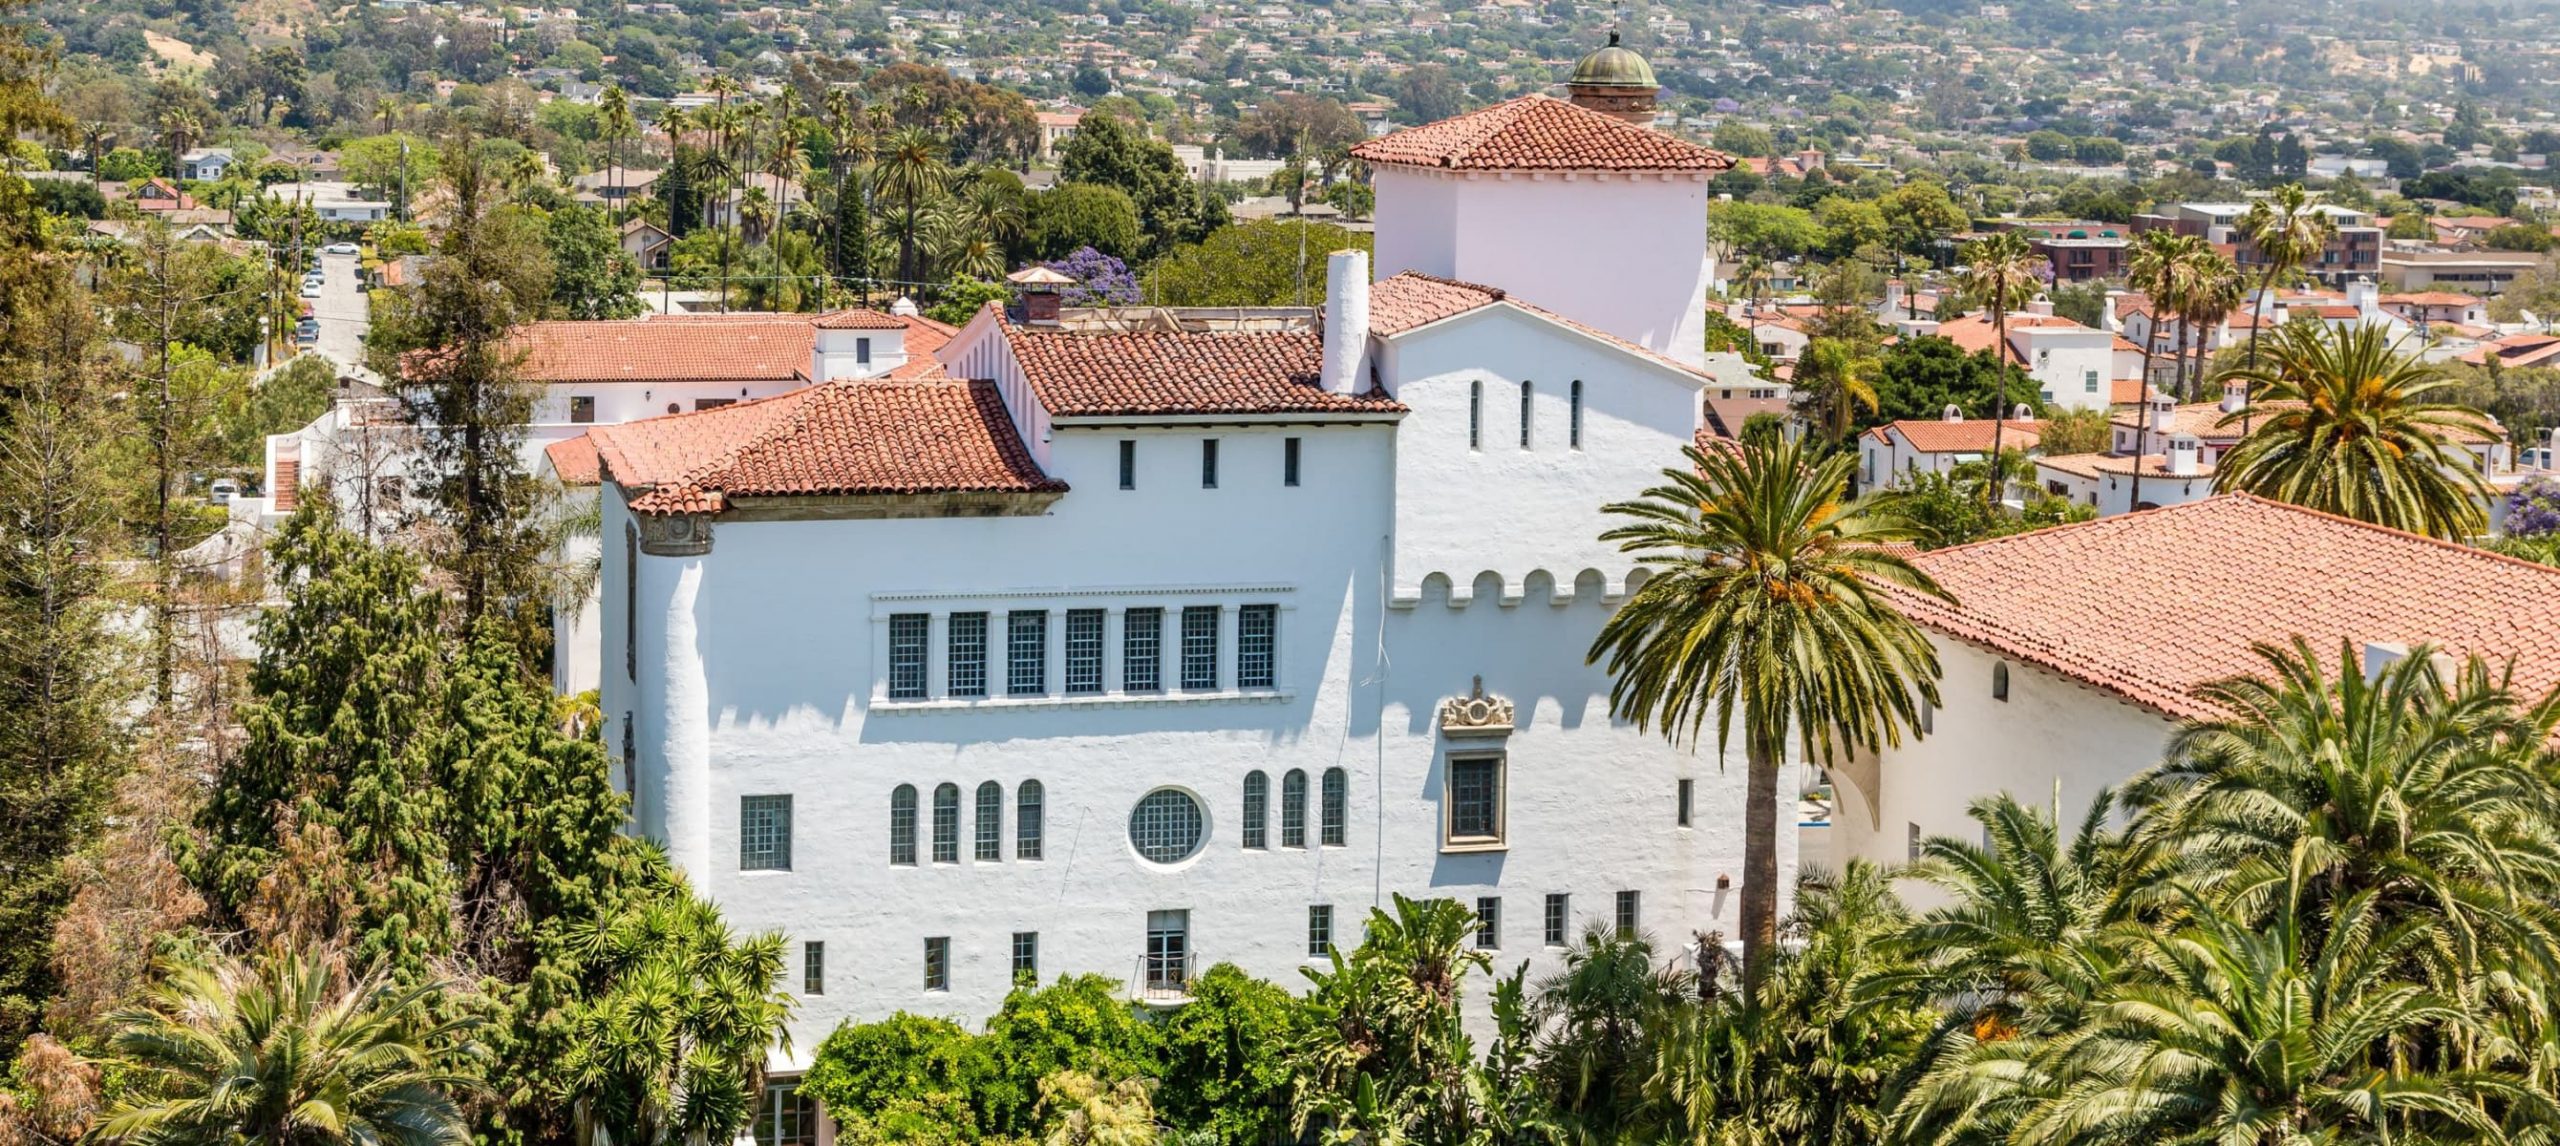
(1615, 82)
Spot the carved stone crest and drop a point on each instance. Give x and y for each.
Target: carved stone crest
(1475, 714)
(675, 534)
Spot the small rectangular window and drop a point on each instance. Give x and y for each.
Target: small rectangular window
(1475, 800)
(1026, 652)
(1289, 461)
(1142, 650)
(582, 409)
(1688, 793)
(813, 968)
(1489, 922)
(862, 351)
(937, 963)
(1128, 464)
(990, 823)
(1026, 957)
(907, 636)
(1630, 912)
(1573, 427)
(1209, 463)
(968, 641)
(2089, 380)
(1320, 931)
(1475, 414)
(1559, 919)
(1084, 650)
(1257, 644)
(1912, 844)
(1200, 647)
(713, 403)
(1528, 394)
(764, 833)
(631, 602)
(1257, 811)
(1928, 719)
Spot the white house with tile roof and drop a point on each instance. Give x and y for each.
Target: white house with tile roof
(1890, 454)
(1136, 642)
(2071, 654)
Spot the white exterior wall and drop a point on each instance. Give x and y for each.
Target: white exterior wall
(1886, 459)
(763, 671)
(1538, 235)
(1513, 515)
(2051, 730)
(2066, 362)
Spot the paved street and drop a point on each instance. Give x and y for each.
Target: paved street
(341, 309)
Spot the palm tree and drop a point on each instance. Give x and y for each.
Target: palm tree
(2156, 268)
(2288, 230)
(2212, 291)
(2286, 1029)
(1600, 1013)
(179, 130)
(2354, 429)
(235, 1054)
(1999, 275)
(755, 214)
(2412, 784)
(618, 126)
(1836, 377)
(387, 109)
(1765, 599)
(909, 173)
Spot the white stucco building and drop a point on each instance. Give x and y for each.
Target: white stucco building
(1131, 643)
(1889, 454)
(2071, 654)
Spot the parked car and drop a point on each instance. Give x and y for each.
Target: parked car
(310, 290)
(340, 248)
(222, 491)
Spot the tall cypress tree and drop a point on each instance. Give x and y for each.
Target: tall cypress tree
(449, 341)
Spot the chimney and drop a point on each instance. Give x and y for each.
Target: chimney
(2182, 455)
(1951, 414)
(2164, 411)
(2022, 413)
(2365, 297)
(2234, 396)
(2042, 305)
(2379, 656)
(1346, 319)
(2107, 320)
(1893, 296)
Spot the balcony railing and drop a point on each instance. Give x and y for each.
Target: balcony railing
(1162, 978)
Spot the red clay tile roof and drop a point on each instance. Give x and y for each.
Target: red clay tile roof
(1935, 436)
(2092, 465)
(574, 459)
(1538, 133)
(872, 436)
(2123, 603)
(670, 348)
(1156, 373)
(1975, 333)
(1412, 299)
(859, 318)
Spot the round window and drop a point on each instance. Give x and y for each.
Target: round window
(1166, 826)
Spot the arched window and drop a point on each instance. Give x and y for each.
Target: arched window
(902, 825)
(946, 824)
(2000, 681)
(1336, 808)
(1573, 424)
(990, 822)
(1293, 809)
(1257, 810)
(1475, 414)
(1027, 820)
(1528, 393)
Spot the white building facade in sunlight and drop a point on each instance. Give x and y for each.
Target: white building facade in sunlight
(1130, 644)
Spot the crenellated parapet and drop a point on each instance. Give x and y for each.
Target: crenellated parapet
(1604, 587)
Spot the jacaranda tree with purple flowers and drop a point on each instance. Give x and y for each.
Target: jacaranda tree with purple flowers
(1102, 279)
(2533, 509)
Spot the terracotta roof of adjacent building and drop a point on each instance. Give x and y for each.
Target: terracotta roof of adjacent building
(1938, 436)
(705, 347)
(2123, 604)
(1538, 133)
(574, 460)
(2093, 465)
(1097, 374)
(1411, 299)
(871, 436)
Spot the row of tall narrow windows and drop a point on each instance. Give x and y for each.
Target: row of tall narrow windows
(1333, 809)
(1528, 415)
(1289, 450)
(986, 838)
(1556, 929)
(1198, 630)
